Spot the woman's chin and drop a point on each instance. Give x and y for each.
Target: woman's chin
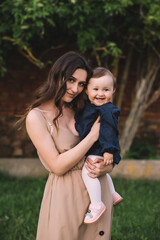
(67, 100)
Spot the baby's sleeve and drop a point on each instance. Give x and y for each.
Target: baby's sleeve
(78, 126)
(108, 136)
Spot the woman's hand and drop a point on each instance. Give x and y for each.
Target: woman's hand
(97, 167)
(95, 129)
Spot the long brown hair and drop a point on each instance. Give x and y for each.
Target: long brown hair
(55, 85)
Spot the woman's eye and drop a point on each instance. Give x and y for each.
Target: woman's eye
(70, 80)
(82, 84)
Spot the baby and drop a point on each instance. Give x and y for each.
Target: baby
(100, 90)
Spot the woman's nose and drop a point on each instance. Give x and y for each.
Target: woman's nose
(75, 87)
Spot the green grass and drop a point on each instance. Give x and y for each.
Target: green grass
(19, 207)
(136, 218)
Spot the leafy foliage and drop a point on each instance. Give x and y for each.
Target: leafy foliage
(101, 27)
(141, 150)
(24, 22)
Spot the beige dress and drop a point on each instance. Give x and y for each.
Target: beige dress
(65, 201)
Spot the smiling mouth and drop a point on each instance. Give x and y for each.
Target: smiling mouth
(100, 99)
(71, 95)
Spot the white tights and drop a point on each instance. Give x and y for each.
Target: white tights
(93, 184)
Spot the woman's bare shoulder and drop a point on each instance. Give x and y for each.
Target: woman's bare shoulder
(36, 126)
(34, 117)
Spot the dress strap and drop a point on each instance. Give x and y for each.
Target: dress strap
(50, 125)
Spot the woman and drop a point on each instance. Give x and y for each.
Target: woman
(51, 126)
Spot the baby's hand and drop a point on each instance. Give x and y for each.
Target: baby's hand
(108, 158)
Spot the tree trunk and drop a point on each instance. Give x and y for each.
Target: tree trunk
(144, 87)
(154, 97)
(124, 78)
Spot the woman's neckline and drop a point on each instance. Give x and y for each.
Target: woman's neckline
(66, 129)
(59, 127)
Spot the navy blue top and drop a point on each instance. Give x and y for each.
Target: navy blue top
(108, 137)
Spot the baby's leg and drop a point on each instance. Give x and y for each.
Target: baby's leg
(115, 196)
(97, 207)
(92, 184)
(111, 186)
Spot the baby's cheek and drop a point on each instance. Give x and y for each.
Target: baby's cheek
(109, 95)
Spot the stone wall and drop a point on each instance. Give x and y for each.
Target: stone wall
(129, 169)
(16, 90)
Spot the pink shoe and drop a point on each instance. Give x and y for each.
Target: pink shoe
(94, 213)
(116, 198)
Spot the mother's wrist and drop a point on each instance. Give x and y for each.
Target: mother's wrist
(92, 137)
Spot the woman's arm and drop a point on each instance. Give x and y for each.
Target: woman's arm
(98, 168)
(58, 163)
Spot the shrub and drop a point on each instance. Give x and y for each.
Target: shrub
(141, 150)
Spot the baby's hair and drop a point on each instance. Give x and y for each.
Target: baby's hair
(101, 71)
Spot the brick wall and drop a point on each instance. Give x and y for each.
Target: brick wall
(16, 90)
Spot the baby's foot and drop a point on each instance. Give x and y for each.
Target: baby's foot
(95, 212)
(116, 198)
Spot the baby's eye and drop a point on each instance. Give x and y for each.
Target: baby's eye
(106, 90)
(96, 89)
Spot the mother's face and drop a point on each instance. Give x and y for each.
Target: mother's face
(75, 85)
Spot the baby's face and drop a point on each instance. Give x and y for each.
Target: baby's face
(100, 90)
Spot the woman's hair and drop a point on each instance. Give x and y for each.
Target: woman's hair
(55, 85)
(101, 71)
